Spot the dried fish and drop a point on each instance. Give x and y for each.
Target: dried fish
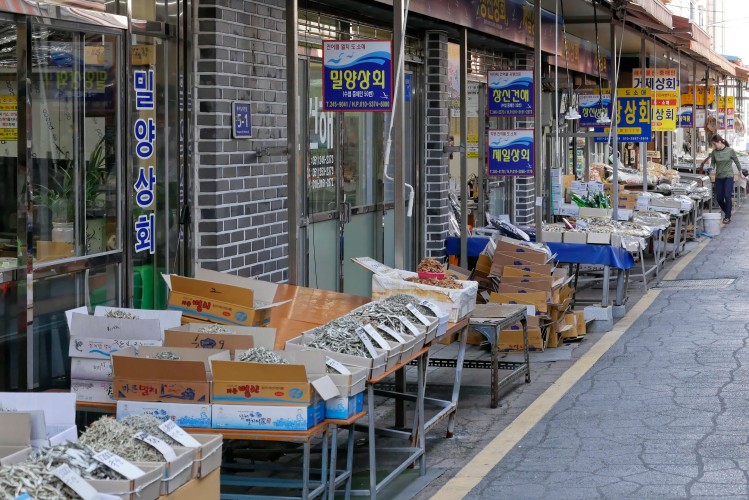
(78, 457)
(428, 265)
(120, 314)
(340, 336)
(167, 355)
(261, 355)
(215, 329)
(34, 479)
(108, 434)
(150, 425)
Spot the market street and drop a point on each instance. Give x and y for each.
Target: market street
(662, 414)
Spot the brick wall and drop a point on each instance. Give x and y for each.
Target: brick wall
(437, 136)
(241, 211)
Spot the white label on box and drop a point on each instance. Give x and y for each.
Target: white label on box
(392, 333)
(337, 366)
(119, 464)
(433, 307)
(376, 336)
(159, 444)
(76, 482)
(365, 340)
(178, 434)
(411, 327)
(418, 314)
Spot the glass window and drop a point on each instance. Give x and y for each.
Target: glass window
(9, 199)
(361, 157)
(322, 160)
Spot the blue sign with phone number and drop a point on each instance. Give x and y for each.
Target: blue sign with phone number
(357, 75)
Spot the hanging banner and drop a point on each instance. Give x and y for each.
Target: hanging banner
(665, 109)
(510, 93)
(656, 79)
(726, 112)
(510, 152)
(594, 106)
(687, 96)
(633, 117)
(685, 117)
(357, 75)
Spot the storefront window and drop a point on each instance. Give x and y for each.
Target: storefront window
(322, 160)
(9, 202)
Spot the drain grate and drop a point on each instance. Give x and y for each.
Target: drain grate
(706, 283)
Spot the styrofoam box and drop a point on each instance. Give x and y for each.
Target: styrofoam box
(208, 456)
(178, 471)
(92, 391)
(185, 415)
(575, 237)
(599, 238)
(343, 408)
(268, 418)
(146, 487)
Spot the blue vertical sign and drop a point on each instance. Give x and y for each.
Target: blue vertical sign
(510, 93)
(510, 152)
(357, 75)
(592, 107)
(241, 120)
(408, 87)
(633, 116)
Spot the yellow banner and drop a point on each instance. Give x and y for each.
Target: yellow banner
(665, 110)
(687, 99)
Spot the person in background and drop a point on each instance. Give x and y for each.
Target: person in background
(721, 158)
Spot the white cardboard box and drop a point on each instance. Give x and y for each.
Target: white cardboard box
(59, 415)
(184, 415)
(15, 437)
(93, 391)
(91, 369)
(99, 337)
(145, 487)
(167, 319)
(260, 417)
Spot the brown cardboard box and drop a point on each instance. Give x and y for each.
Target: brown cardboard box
(15, 437)
(552, 296)
(537, 299)
(581, 325)
(505, 246)
(544, 283)
(570, 320)
(512, 339)
(483, 265)
(187, 380)
(527, 270)
(241, 338)
(508, 259)
(203, 488)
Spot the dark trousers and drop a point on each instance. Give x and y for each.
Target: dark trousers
(724, 194)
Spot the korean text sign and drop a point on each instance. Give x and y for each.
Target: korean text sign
(357, 75)
(634, 117)
(664, 83)
(594, 106)
(144, 137)
(726, 113)
(510, 152)
(510, 93)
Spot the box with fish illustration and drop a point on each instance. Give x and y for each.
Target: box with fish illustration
(197, 416)
(268, 418)
(100, 336)
(344, 407)
(92, 391)
(213, 336)
(302, 381)
(167, 374)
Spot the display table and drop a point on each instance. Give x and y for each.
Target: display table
(489, 320)
(336, 476)
(476, 245)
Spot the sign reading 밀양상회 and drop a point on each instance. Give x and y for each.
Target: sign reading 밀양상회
(357, 75)
(510, 93)
(144, 138)
(510, 152)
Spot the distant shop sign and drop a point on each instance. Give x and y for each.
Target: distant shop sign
(633, 116)
(357, 75)
(510, 152)
(593, 106)
(510, 93)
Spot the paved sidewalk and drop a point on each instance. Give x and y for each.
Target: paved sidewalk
(665, 412)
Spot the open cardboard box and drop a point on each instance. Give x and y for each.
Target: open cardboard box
(178, 471)
(537, 299)
(374, 366)
(167, 319)
(145, 487)
(56, 426)
(241, 338)
(222, 298)
(296, 383)
(513, 247)
(99, 337)
(187, 380)
(15, 437)
(527, 270)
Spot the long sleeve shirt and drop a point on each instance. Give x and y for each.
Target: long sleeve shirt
(721, 159)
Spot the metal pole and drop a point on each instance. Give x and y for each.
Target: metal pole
(707, 99)
(537, 131)
(478, 217)
(399, 132)
(614, 121)
(464, 149)
(694, 117)
(295, 170)
(643, 146)
(725, 108)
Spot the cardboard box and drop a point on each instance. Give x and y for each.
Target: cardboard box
(569, 210)
(167, 319)
(185, 415)
(665, 203)
(91, 369)
(342, 408)
(178, 471)
(349, 385)
(294, 384)
(528, 270)
(387, 281)
(526, 253)
(483, 265)
(511, 339)
(242, 338)
(537, 299)
(208, 456)
(15, 437)
(570, 320)
(187, 380)
(222, 298)
(375, 367)
(99, 337)
(599, 238)
(93, 391)
(552, 236)
(577, 237)
(268, 418)
(552, 296)
(56, 426)
(202, 488)
(146, 487)
(595, 212)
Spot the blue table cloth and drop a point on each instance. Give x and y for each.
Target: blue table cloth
(476, 245)
(605, 255)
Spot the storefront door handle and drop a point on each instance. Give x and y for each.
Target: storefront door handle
(344, 212)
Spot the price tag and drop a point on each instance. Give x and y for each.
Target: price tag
(159, 444)
(410, 326)
(433, 307)
(178, 434)
(119, 464)
(367, 343)
(418, 314)
(76, 482)
(377, 337)
(392, 333)
(337, 366)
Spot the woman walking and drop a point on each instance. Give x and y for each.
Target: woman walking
(720, 158)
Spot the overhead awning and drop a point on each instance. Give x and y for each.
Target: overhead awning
(651, 14)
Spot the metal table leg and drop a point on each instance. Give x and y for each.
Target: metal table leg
(606, 285)
(423, 363)
(619, 300)
(456, 382)
(495, 374)
(371, 435)
(333, 455)
(524, 322)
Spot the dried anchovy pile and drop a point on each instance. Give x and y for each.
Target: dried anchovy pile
(34, 479)
(167, 355)
(261, 355)
(339, 336)
(214, 329)
(150, 425)
(430, 266)
(78, 457)
(388, 312)
(119, 314)
(108, 434)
